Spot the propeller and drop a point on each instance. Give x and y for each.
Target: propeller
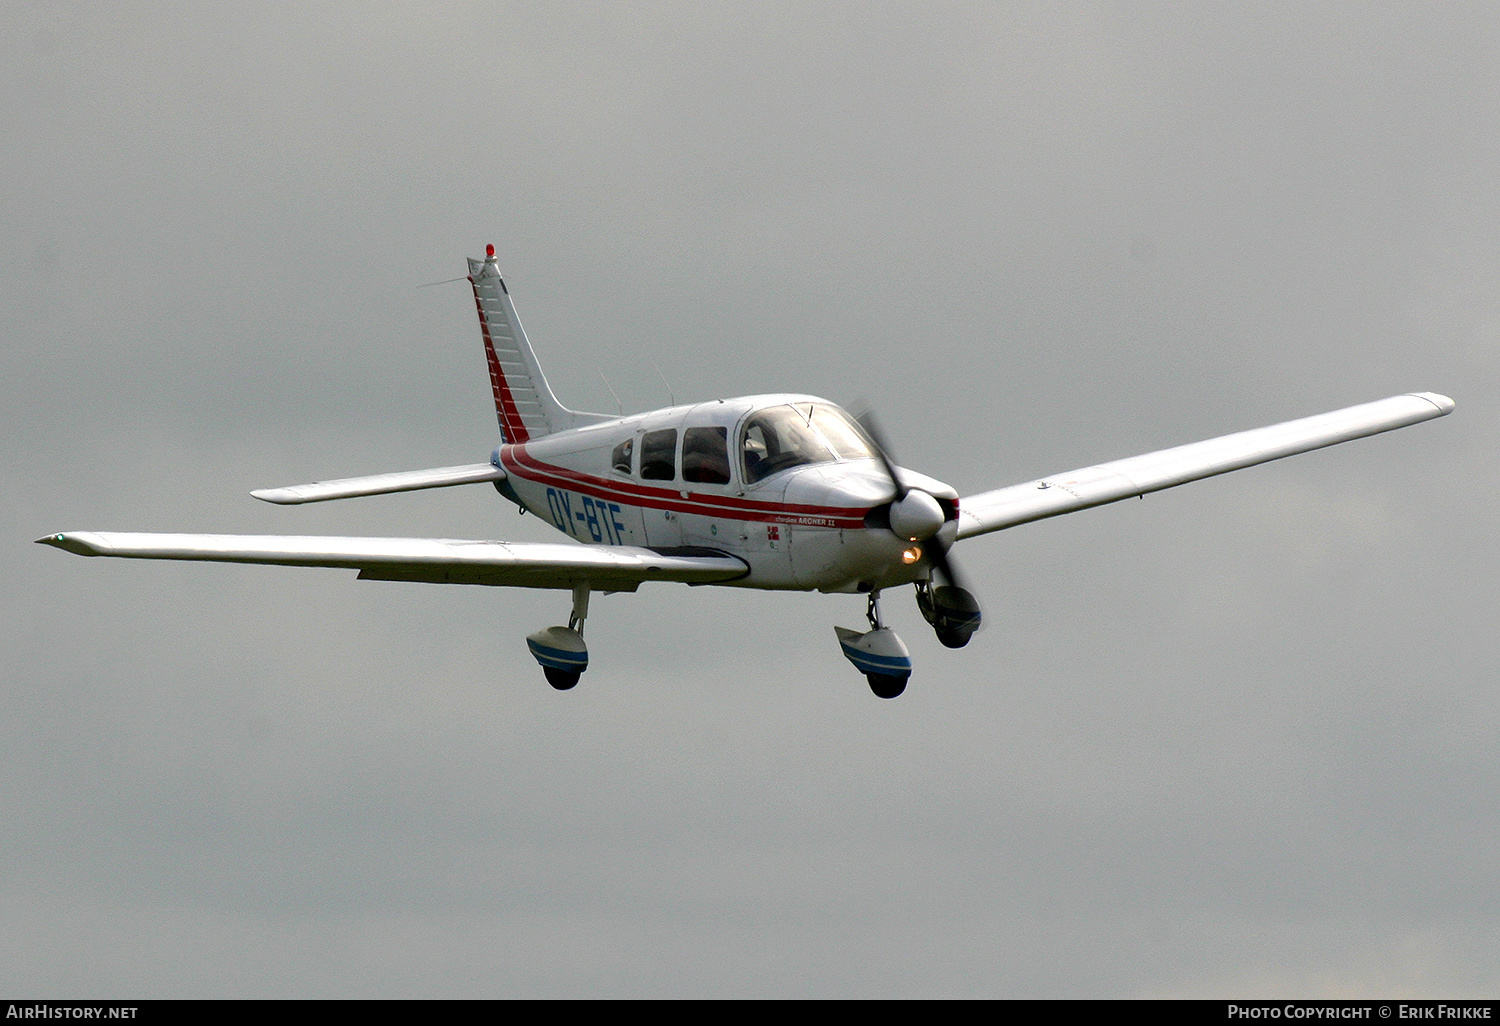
(914, 514)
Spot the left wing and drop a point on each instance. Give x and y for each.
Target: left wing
(433, 560)
(380, 484)
(1127, 478)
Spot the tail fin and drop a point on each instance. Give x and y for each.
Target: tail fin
(525, 406)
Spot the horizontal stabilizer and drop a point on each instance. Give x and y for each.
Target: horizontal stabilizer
(1127, 478)
(381, 484)
(431, 560)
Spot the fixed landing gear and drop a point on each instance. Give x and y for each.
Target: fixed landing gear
(879, 653)
(560, 650)
(952, 611)
(562, 680)
(886, 685)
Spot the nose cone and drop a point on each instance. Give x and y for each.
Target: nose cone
(917, 517)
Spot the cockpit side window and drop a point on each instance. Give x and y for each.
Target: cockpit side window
(780, 438)
(793, 436)
(619, 460)
(705, 455)
(659, 455)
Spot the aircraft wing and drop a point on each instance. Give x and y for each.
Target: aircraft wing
(433, 560)
(1127, 478)
(381, 484)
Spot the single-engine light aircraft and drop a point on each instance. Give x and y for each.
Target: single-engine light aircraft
(782, 492)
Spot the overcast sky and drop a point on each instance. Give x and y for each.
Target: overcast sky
(1239, 738)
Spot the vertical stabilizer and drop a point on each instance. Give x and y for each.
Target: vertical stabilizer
(524, 404)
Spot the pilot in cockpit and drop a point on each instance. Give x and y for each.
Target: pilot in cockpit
(755, 453)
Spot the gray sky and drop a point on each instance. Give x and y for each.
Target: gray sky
(1239, 738)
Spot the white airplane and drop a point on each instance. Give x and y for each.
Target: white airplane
(781, 492)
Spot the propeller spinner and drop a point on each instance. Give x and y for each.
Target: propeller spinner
(916, 516)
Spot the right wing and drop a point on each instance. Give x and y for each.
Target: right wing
(381, 484)
(433, 560)
(1127, 478)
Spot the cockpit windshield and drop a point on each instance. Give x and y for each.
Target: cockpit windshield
(788, 436)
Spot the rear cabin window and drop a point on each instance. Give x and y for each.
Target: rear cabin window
(659, 455)
(705, 455)
(620, 458)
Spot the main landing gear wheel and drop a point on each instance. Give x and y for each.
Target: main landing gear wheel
(878, 654)
(562, 680)
(560, 651)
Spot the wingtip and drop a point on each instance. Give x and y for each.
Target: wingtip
(1443, 403)
(73, 543)
(280, 496)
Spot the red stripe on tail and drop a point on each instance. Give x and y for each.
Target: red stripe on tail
(505, 407)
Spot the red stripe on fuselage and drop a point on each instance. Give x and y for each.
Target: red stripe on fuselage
(510, 418)
(516, 460)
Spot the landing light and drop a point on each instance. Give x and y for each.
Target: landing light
(911, 555)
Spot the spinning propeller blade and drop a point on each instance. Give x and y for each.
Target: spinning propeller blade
(912, 510)
(882, 451)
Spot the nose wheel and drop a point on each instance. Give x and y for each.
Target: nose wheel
(952, 611)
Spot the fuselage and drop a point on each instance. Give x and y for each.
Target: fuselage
(788, 483)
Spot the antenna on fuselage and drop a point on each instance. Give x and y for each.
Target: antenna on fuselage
(618, 405)
(664, 381)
